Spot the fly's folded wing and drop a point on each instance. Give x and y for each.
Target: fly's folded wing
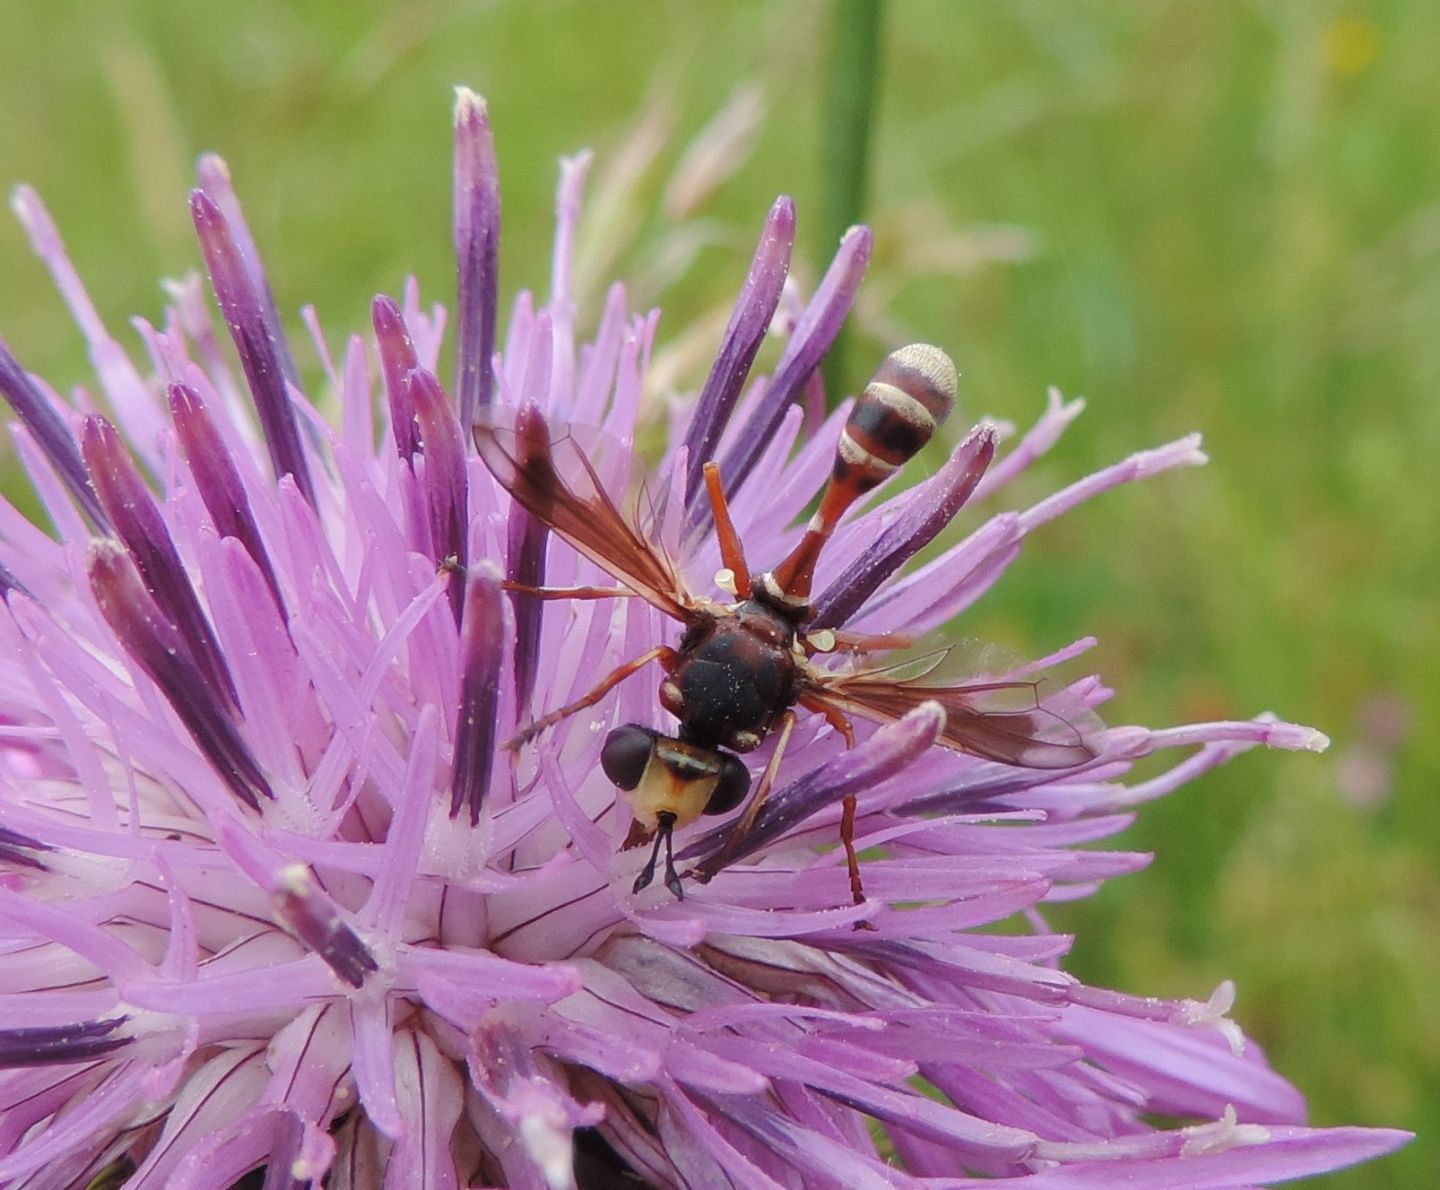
(1002, 718)
(557, 483)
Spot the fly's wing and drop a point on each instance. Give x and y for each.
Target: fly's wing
(556, 482)
(1002, 718)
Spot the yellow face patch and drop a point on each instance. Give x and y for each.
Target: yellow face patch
(678, 778)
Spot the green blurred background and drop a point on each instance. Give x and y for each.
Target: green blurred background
(1214, 216)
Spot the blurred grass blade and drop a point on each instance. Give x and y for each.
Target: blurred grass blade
(851, 91)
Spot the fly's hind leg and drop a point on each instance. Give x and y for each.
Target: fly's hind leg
(732, 553)
(837, 720)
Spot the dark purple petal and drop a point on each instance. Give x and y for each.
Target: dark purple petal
(931, 506)
(51, 433)
(482, 638)
(155, 644)
(47, 1045)
(257, 337)
(218, 481)
(813, 335)
(446, 483)
(397, 361)
(749, 321)
(15, 849)
(284, 1149)
(214, 177)
(143, 532)
(477, 245)
(318, 923)
(526, 540)
(892, 748)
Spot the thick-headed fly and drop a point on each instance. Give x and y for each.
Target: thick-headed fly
(740, 668)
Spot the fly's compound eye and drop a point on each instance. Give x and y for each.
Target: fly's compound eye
(625, 754)
(732, 787)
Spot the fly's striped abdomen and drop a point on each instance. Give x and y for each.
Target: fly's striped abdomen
(910, 394)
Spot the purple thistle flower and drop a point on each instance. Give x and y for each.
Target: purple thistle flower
(275, 895)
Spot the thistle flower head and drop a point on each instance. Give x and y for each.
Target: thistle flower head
(276, 895)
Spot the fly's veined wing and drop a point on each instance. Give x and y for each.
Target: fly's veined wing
(1002, 714)
(556, 482)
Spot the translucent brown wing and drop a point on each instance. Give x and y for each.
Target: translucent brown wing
(557, 483)
(1002, 718)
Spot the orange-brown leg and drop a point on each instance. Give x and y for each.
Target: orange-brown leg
(732, 553)
(855, 642)
(852, 861)
(837, 720)
(706, 870)
(833, 716)
(662, 653)
(767, 780)
(847, 836)
(570, 592)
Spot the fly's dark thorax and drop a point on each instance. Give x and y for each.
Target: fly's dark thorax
(734, 675)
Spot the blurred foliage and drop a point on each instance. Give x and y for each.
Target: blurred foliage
(1203, 216)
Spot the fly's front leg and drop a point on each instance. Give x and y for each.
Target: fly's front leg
(704, 871)
(569, 592)
(662, 653)
(767, 782)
